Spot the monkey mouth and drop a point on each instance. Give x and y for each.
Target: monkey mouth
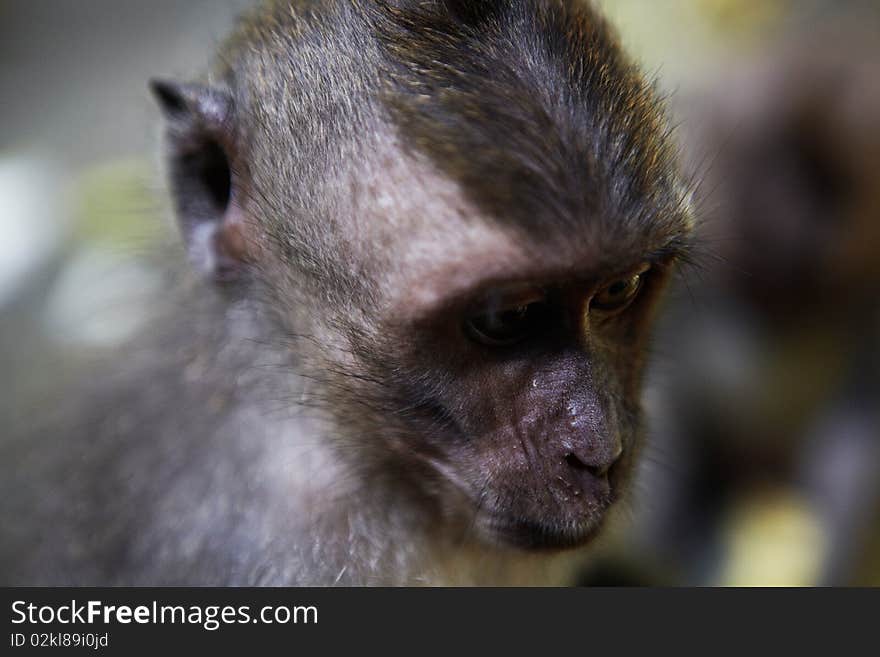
(545, 535)
(557, 528)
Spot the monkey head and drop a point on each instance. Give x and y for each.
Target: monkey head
(464, 212)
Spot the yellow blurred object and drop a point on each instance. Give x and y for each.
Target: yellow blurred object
(743, 17)
(664, 35)
(772, 538)
(118, 203)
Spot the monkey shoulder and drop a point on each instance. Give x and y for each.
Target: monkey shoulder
(162, 468)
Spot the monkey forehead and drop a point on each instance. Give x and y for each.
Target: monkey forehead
(441, 244)
(428, 225)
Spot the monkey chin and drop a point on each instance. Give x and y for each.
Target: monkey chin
(545, 537)
(545, 534)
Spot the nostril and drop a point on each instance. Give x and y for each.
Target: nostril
(598, 470)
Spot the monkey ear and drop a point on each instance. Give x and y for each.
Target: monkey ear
(204, 176)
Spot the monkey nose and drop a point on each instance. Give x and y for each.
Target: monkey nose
(597, 463)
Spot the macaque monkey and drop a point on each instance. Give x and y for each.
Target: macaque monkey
(433, 235)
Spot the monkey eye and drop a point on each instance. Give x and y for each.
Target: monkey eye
(618, 293)
(505, 324)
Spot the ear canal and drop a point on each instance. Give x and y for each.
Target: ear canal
(200, 140)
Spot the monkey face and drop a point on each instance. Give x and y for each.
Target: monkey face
(550, 418)
(518, 398)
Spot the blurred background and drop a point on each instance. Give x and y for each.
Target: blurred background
(763, 465)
